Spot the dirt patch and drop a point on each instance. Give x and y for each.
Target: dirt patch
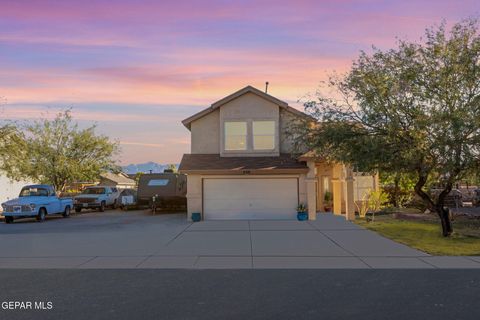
(467, 211)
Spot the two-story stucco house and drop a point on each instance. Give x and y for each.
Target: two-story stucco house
(241, 166)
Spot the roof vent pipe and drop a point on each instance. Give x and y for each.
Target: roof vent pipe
(266, 87)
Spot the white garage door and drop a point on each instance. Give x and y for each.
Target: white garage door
(239, 199)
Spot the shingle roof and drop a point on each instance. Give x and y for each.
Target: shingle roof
(118, 178)
(214, 163)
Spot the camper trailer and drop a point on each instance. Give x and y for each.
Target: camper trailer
(163, 191)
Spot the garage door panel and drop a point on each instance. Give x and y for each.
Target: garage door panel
(219, 188)
(250, 198)
(251, 205)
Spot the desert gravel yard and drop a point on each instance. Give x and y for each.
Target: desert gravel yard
(137, 239)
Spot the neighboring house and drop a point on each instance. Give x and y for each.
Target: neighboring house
(78, 186)
(119, 180)
(241, 164)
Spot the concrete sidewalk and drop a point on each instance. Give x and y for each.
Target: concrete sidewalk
(129, 240)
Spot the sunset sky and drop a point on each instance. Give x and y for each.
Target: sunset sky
(137, 68)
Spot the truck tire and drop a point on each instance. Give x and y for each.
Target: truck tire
(66, 213)
(8, 219)
(102, 206)
(78, 210)
(42, 213)
(114, 205)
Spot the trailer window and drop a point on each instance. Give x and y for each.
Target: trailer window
(158, 182)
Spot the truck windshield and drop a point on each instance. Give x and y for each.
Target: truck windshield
(33, 192)
(94, 191)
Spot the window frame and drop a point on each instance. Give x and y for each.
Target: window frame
(225, 135)
(273, 135)
(157, 183)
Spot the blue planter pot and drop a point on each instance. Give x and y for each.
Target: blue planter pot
(302, 216)
(196, 217)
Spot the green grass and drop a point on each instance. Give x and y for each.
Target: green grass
(426, 235)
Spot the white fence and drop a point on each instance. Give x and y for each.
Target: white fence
(10, 189)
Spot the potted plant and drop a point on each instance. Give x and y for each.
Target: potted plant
(302, 214)
(327, 198)
(196, 216)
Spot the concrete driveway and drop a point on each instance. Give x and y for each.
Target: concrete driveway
(116, 239)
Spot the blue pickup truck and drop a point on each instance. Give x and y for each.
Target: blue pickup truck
(36, 201)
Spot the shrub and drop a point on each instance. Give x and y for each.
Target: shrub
(372, 201)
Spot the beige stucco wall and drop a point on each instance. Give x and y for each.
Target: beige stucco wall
(363, 184)
(302, 189)
(207, 137)
(194, 194)
(249, 107)
(205, 134)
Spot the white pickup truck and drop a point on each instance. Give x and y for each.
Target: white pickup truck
(97, 197)
(37, 201)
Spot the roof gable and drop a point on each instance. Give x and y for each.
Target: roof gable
(117, 178)
(245, 90)
(237, 94)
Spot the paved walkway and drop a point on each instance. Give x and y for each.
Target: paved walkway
(136, 240)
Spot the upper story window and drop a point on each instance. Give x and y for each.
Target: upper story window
(263, 135)
(235, 135)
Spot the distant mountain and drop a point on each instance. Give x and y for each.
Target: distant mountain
(145, 167)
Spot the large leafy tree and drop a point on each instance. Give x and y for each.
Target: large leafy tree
(399, 187)
(414, 109)
(12, 148)
(10, 140)
(172, 167)
(56, 151)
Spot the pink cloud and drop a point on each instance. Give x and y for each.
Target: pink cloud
(142, 144)
(197, 78)
(154, 10)
(187, 53)
(59, 39)
(19, 112)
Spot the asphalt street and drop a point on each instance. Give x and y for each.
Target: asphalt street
(241, 294)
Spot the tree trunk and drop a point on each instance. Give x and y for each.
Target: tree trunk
(438, 207)
(444, 214)
(396, 190)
